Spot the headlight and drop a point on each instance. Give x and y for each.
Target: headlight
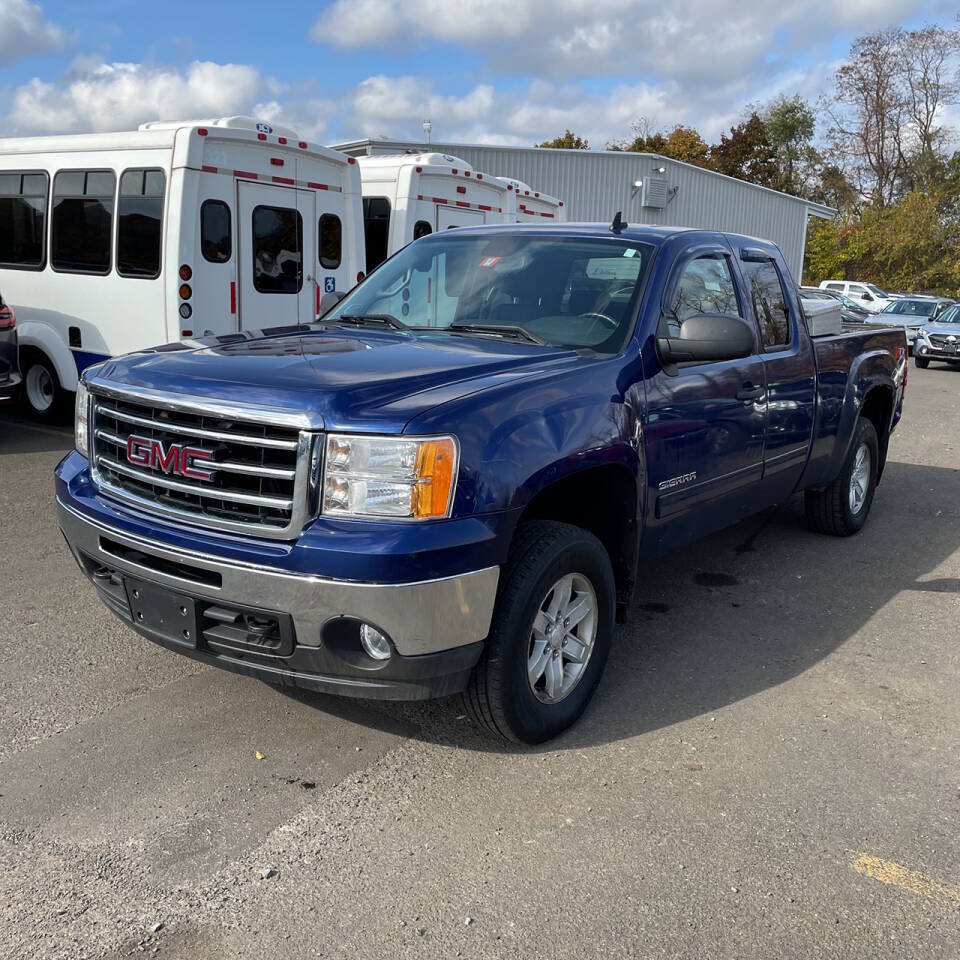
(81, 431)
(393, 477)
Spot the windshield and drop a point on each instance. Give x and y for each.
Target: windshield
(568, 291)
(950, 315)
(912, 308)
(876, 291)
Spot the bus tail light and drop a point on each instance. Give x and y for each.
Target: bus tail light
(185, 291)
(8, 319)
(185, 272)
(359, 276)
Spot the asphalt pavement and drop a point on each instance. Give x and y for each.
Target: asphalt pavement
(770, 767)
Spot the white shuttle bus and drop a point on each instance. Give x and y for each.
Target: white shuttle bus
(116, 242)
(532, 206)
(405, 197)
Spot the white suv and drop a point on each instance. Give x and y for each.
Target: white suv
(872, 298)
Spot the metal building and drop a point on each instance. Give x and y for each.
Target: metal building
(647, 188)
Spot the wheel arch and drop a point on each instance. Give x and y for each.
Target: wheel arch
(603, 499)
(44, 340)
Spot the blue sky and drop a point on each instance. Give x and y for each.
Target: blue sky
(512, 71)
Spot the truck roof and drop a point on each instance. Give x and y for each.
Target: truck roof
(641, 233)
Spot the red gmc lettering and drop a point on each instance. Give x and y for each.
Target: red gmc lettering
(174, 459)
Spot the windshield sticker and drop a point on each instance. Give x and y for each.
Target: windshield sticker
(630, 252)
(489, 261)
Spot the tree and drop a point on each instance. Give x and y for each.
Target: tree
(746, 153)
(682, 143)
(790, 125)
(569, 141)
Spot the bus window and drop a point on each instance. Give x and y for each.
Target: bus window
(216, 240)
(376, 226)
(82, 221)
(140, 223)
(23, 210)
(331, 241)
(277, 246)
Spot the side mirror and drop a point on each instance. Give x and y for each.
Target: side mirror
(707, 337)
(329, 300)
(866, 296)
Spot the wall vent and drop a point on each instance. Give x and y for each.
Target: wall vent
(654, 192)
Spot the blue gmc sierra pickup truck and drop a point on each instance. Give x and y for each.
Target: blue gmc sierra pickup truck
(446, 484)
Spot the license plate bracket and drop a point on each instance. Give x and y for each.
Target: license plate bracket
(170, 616)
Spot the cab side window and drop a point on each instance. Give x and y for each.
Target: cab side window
(769, 303)
(705, 285)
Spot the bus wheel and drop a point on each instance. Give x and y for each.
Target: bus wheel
(45, 399)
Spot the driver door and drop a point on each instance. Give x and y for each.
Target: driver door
(705, 420)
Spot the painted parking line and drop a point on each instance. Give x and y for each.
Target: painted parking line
(895, 875)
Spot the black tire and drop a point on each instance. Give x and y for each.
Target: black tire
(499, 696)
(41, 395)
(922, 362)
(830, 510)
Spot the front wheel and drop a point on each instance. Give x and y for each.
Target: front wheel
(842, 509)
(550, 635)
(42, 393)
(922, 362)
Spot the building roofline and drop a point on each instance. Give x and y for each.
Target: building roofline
(813, 209)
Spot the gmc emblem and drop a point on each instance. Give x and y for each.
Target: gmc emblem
(174, 459)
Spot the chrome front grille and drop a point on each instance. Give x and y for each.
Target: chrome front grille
(216, 466)
(940, 340)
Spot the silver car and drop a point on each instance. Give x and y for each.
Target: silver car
(912, 313)
(939, 339)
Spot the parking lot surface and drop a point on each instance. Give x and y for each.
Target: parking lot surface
(770, 767)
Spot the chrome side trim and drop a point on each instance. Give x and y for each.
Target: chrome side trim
(217, 408)
(422, 617)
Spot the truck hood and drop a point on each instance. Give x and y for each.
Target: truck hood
(352, 379)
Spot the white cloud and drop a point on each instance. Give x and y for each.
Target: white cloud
(25, 30)
(95, 96)
(396, 107)
(703, 39)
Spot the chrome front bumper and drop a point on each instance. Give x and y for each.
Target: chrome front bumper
(420, 618)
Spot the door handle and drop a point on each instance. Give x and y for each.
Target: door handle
(750, 392)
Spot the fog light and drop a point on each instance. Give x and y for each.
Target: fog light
(923, 349)
(375, 644)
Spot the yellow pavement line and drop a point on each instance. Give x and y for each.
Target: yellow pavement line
(894, 875)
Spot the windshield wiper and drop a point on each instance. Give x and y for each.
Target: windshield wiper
(379, 319)
(497, 329)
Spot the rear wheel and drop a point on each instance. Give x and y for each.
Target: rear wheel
(42, 394)
(550, 635)
(842, 509)
(921, 362)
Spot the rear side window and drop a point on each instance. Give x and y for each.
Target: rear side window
(82, 221)
(769, 303)
(705, 286)
(376, 227)
(277, 246)
(140, 223)
(23, 214)
(216, 236)
(834, 286)
(331, 241)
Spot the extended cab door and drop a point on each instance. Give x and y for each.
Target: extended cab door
(789, 368)
(705, 421)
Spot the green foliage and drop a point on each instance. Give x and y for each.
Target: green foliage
(569, 141)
